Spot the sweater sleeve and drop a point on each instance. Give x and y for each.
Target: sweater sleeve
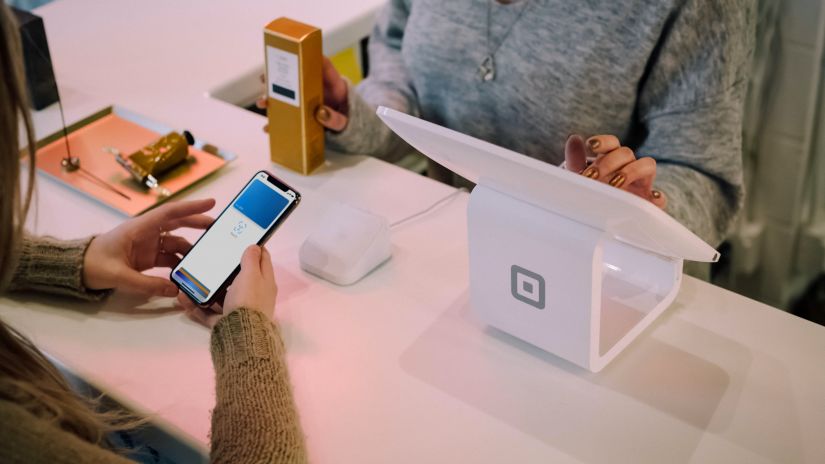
(53, 266)
(691, 105)
(27, 439)
(255, 419)
(388, 84)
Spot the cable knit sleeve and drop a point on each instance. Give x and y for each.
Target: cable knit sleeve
(255, 419)
(49, 265)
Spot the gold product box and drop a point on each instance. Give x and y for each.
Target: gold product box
(295, 91)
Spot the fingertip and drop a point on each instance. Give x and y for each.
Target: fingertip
(658, 198)
(251, 254)
(170, 290)
(599, 144)
(575, 156)
(322, 114)
(331, 119)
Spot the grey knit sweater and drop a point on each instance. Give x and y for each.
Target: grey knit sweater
(667, 77)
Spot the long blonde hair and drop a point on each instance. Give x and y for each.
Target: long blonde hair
(27, 378)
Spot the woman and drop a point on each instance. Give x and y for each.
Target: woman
(667, 78)
(41, 420)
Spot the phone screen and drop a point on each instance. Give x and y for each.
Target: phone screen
(249, 219)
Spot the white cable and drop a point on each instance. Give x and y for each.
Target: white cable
(428, 209)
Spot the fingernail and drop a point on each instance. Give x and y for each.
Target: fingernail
(323, 114)
(591, 172)
(656, 194)
(594, 143)
(618, 180)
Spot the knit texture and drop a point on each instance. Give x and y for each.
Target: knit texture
(254, 421)
(255, 418)
(53, 266)
(667, 77)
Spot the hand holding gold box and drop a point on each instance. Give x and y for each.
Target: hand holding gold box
(295, 90)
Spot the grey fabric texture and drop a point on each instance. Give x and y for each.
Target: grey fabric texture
(667, 77)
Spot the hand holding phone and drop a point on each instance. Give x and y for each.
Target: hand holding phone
(254, 288)
(250, 219)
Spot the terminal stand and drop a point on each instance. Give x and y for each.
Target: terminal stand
(571, 265)
(565, 287)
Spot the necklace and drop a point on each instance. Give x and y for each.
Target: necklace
(487, 68)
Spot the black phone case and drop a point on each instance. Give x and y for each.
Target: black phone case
(220, 291)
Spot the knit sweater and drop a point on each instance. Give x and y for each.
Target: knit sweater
(667, 77)
(254, 419)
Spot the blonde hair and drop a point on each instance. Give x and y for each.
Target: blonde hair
(14, 204)
(27, 378)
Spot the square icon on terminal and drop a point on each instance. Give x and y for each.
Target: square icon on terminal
(527, 286)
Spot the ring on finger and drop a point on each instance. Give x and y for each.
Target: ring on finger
(163, 234)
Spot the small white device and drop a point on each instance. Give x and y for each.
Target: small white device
(347, 245)
(575, 267)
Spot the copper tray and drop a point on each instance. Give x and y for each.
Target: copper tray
(127, 131)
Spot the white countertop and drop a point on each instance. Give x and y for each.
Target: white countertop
(395, 368)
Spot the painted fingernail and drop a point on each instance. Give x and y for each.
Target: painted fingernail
(591, 172)
(618, 180)
(323, 114)
(656, 194)
(594, 143)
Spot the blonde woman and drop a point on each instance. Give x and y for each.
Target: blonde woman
(41, 419)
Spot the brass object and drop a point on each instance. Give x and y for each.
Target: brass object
(155, 159)
(160, 156)
(295, 91)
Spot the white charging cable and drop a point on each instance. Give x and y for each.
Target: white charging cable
(429, 208)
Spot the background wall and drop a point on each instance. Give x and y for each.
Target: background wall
(778, 249)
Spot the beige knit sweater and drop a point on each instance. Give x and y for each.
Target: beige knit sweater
(254, 420)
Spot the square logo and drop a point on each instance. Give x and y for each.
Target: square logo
(527, 286)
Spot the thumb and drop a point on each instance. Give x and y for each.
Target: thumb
(331, 119)
(155, 286)
(575, 153)
(251, 260)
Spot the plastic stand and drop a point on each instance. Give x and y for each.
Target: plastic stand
(573, 266)
(565, 287)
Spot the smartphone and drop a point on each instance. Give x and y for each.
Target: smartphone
(253, 215)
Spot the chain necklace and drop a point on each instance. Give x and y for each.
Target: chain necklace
(487, 68)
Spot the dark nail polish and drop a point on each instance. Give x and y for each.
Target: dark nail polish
(323, 114)
(618, 180)
(591, 172)
(594, 143)
(656, 194)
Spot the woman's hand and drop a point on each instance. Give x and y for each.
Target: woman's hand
(614, 165)
(254, 288)
(333, 113)
(117, 258)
